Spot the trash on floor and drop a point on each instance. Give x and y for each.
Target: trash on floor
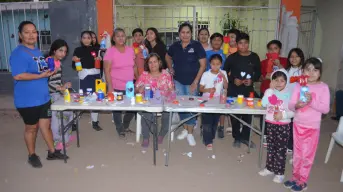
(189, 154)
(143, 151)
(90, 167)
(212, 157)
(239, 160)
(103, 165)
(130, 143)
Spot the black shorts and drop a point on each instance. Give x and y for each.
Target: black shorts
(31, 115)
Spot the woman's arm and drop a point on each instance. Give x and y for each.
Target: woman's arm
(107, 70)
(135, 70)
(169, 61)
(201, 70)
(29, 76)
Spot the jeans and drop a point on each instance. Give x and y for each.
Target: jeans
(209, 126)
(148, 124)
(236, 126)
(184, 90)
(122, 123)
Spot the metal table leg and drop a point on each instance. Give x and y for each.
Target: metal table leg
(252, 125)
(155, 147)
(77, 129)
(63, 139)
(261, 142)
(169, 139)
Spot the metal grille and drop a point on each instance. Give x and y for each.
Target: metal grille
(11, 14)
(307, 28)
(260, 22)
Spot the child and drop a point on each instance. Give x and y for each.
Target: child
(216, 40)
(295, 62)
(273, 46)
(138, 38)
(89, 73)
(278, 118)
(58, 51)
(233, 34)
(306, 124)
(212, 81)
(243, 68)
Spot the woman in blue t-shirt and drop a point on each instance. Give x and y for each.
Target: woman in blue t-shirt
(31, 92)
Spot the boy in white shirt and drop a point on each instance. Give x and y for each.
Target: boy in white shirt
(212, 83)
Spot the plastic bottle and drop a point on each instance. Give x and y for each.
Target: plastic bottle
(66, 96)
(78, 65)
(82, 97)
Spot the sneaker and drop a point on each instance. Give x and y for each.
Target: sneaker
(191, 140)
(209, 147)
(220, 132)
(96, 126)
(236, 143)
(289, 184)
(182, 135)
(278, 178)
(245, 142)
(265, 172)
(34, 161)
(160, 139)
(57, 155)
(299, 187)
(265, 141)
(145, 143)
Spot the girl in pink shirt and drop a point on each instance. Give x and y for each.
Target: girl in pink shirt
(118, 65)
(306, 126)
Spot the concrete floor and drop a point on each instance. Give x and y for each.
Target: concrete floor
(121, 166)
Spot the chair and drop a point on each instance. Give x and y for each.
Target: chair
(139, 127)
(336, 137)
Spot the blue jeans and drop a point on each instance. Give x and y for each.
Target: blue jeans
(184, 90)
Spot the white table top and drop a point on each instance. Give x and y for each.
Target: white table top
(60, 105)
(212, 106)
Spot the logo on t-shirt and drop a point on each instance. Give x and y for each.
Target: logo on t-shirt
(41, 64)
(191, 50)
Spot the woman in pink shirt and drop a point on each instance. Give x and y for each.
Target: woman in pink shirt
(158, 79)
(118, 65)
(306, 124)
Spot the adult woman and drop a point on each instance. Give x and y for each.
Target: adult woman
(118, 65)
(189, 59)
(159, 79)
(203, 36)
(155, 45)
(31, 92)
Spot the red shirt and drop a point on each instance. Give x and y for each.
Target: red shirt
(264, 64)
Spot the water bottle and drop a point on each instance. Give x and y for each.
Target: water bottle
(147, 92)
(303, 91)
(103, 44)
(51, 64)
(145, 54)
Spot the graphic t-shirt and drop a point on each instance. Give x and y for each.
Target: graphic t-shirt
(29, 93)
(210, 80)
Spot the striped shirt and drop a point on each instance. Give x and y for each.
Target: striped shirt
(55, 80)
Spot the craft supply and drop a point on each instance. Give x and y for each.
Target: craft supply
(176, 102)
(130, 90)
(250, 102)
(81, 96)
(120, 96)
(240, 99)
(100, 85)
(304, 88)
(89, 91)
(147, 92)
(139, 98)
(78, 65)
(259, 103)
(66, 96)
(251, 95)
(51, 64)
(191, 99)
(115, 94)
(110, 97)
(133, 101)
(101, 95)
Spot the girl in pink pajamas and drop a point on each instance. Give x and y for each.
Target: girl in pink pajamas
(306, 124)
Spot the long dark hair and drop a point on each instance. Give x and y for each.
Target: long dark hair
(96, 39)
(300, 53)
(21, 27)
(158, 38)
(86, 32)
(317, 64)
(58, 43)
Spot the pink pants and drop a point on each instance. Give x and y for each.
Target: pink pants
(304, 151)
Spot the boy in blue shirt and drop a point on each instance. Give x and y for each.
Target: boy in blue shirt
(216, 41)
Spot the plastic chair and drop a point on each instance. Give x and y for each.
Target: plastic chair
(336, 137)
(139, 127)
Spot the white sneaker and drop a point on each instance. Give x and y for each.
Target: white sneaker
(182, 135)
(191, 140)
(265, 172)
(228, 129)
(278, 178)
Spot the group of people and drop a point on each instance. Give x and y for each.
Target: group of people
(188, 67)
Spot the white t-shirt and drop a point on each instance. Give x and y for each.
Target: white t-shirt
(210, 80)
(293, 72)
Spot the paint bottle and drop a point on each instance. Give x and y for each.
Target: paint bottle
(78, 65)
(66, 96)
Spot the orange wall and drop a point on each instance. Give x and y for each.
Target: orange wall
(105, 16)
(293, 5)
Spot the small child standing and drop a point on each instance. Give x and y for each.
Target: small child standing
(213, 82)
(278, 120)
(306, 124)
(138, 39)
(58, 51)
